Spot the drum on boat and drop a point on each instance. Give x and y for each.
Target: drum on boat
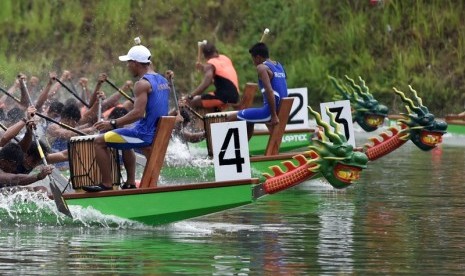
(83, 167)
(211, 118)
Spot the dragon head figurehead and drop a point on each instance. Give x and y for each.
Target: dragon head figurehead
(336, 159)
(366, 110)
(422, 127)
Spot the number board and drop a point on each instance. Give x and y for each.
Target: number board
(342, 115)
(230, 151)
(298, 117)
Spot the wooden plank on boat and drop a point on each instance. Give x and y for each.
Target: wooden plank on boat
(247, 97)
(163, 189)
(277, 131)
(157, 152)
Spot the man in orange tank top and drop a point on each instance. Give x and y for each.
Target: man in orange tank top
(220, 71)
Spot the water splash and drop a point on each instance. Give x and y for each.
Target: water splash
(23, 208)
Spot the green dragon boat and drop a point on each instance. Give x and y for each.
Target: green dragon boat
(291, 140)
(155, 204)
(330, 157)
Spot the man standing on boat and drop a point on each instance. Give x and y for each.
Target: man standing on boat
(272, 84)
(151, 93)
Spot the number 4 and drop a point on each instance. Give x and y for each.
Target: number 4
(238, 160)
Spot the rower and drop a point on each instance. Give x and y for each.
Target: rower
(150, 103)
(272, 84)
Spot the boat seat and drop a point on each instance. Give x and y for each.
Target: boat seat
(156, 153)
(246, 100)
(247, 96)
(277, 131)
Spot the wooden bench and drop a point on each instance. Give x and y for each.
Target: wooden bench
(247, 96)
(277, 131)
(157, 152)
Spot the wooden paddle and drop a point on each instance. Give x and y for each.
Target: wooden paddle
(2, 126)
(72, 92)
(11, 96)
(60, 124)
(120, 91)
(176, 104)
(57, 196)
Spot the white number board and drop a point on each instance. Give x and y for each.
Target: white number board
(230, 151)
(298, 117)
(342, 115)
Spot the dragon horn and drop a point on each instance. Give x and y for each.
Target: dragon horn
(407, 101)
(419, 100)
(326, 127)
(337, 84)
(364, 87)
(358, 89)
(335, 125)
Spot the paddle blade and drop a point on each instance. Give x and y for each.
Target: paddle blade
(59, 200)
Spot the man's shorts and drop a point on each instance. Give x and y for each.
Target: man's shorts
(124, 138)
(257, 114)
(210, 100)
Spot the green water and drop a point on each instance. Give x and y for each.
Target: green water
(405, 216)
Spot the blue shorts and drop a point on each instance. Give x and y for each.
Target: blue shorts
(257, 114)
(124, 138)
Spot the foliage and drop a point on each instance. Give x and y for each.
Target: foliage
(395, 43)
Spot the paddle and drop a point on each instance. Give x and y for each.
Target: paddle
(72, 92)
(9, 95)
(2, 126)
(176, 104)
(120, 91)
(60, 124)
(265, 33)
(57, 196)
(99, 111)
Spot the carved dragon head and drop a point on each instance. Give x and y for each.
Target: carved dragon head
(422, 127)
(366, 110)
(336, 160)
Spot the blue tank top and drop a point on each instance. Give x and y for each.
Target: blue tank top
(157, 106)
(278, 82)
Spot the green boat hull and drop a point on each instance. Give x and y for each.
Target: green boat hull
(162, 205)
(458, 129)
(292, 140)
(258, 164)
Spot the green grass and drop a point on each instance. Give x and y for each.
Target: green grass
(400, 43)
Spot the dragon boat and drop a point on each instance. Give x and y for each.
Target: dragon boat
(333, 159)
(329, 156)
(455, 123)
(366, 110)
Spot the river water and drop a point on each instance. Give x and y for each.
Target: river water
(405, 216)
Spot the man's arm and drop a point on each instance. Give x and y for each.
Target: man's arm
(102, 77)
(264, 76)
(141, 90)
(44, 94)
(24, 179)
(209, 73)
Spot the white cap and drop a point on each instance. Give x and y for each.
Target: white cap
(137, 53)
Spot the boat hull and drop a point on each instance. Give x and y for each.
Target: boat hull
(162, 205)
(292, 140)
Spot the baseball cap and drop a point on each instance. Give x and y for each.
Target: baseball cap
(137, 53)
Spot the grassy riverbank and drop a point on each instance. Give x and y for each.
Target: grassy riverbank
(393, 44)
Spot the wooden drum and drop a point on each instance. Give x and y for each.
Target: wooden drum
(211, 118)
(83, 167)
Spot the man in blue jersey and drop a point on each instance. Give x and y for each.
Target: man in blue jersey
(151, 93)
(272, 84)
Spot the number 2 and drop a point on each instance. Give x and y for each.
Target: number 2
(300, 104)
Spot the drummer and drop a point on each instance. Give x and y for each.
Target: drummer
(150, 103)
